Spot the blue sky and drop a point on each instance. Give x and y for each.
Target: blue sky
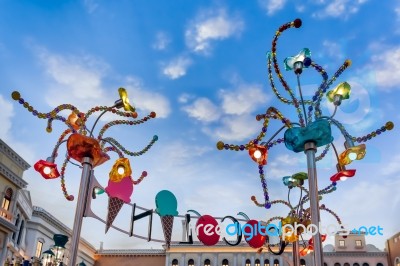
(201, 66)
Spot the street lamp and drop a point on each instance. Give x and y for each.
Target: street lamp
(55, 255)
(313, 130)
(90, 151)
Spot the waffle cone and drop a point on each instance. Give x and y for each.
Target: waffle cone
(167, 223)
(114, 206)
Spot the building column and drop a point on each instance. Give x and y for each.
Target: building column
(183, 258)
(235, 259)
(216, 259)
(280, 260)
(271, 260)
(167, 259)
(243, 259)
(262, 259)
(199, 259)
(252, 260)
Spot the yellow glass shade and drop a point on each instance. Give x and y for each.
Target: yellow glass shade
(80, 146)
(125, 100)
(351, 154)
(343, 89)
(259, 154)
(120, 169)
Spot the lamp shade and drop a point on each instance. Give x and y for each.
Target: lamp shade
(289, 62)
(306, 251)
(120, 169)
(125, 100)
(74, 121)
(343, 175)
(60, 240)
(48, 169)
(342, 90)
(259, 154)
(352, 153)
(80, 146)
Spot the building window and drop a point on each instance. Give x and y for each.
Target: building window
(365, 264)
(7, 199)
(325, 264)
(276, 262)
(266, 262)
(191, 262)
(257, 262)
(248, 263)
(302, 262)
(225, 262)
(380, 264)
(16, 224)
(207, 262)
(346, 264)
(358, 243)
(356, 264)
(39, 247)
(21, 229)
(175, 262)
(337, 264)
(397, 262)
(341, 243)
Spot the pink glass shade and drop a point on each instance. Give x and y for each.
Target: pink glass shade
(80, 146)
(343, 175)
(259, 154)
(47, 169)
(122, 189)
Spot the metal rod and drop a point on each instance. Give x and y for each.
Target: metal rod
(301, 97)
(80, 208)
(295, 253)
(310, 149)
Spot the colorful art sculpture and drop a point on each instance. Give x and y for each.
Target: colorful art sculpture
(166, 207)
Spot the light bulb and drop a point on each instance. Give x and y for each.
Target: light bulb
(121, 170)
(352, 156)
(257, 154)
(343, 178)
(46, 170)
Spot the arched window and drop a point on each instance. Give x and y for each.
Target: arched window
(225, 262)
(257, 262)
(7, 199)
(207, 262)
(397, 261)
(248, 263)
(276, 262)
(175, 262)
(356, 264)
(325, 264)
(266, 262)
(302, 262)
(346, 264)
(365, 264)
(191, 262)
(337, 264)
(380, 264)
(16, 224)
(21, 230)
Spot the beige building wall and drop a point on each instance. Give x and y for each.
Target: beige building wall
(393, 249)
(130, 257)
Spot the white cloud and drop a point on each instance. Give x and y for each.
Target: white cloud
(340, 8)
(177, 67)
(333, 49)
(272, 6)
(236, 128)
(203, 110)
(212, 26)
(184, 98)
(245, 99)
(392, 167)
(387, 70)
(90, 5)
(282, 165)
(162, 41)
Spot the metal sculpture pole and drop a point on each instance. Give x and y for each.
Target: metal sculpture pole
(80, 209)
(310, 150)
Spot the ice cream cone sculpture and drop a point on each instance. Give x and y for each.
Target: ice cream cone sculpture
(166, 205)
(120, 188)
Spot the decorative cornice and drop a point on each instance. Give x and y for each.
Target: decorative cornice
(42, 213)
(18, 181)
(131, 252)
(7, 224)
(356, 254)
(4, 148)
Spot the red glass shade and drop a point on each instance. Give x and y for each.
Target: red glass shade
(311, 241)
(47, 169)
(259, 154)
(343, 175)
(80, 146)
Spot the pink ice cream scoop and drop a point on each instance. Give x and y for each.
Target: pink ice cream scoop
(122, 190)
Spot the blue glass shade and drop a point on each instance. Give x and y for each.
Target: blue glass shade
(318, 132)
(289, 61)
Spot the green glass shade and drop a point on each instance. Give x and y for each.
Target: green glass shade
(60, 240)
(318, 132)
(290, 61)
(343, 90)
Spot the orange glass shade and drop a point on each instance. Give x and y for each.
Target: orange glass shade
(306, 251)
(73, 120)
(259, 154)
(47, 169)
(351, 154)
(311, 241)
(343, 175)
(120, 169)
(125, 100)
(80, 146)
